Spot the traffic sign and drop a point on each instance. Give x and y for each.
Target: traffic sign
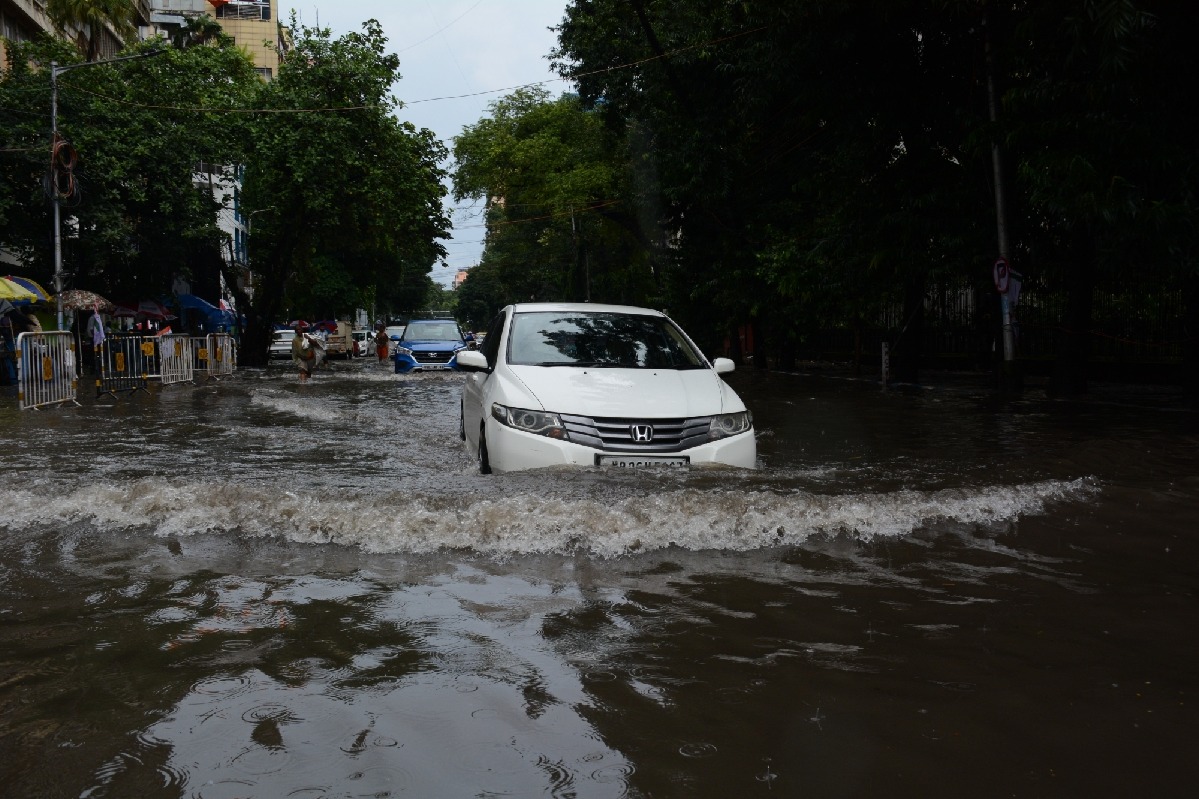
(1001, 272)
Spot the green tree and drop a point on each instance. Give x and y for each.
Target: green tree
(345, 180)
(1105, 155)
(561, 214)
(814, 159)
(134, 217)
(481, 296)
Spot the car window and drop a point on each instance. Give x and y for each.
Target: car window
(432, 331)
(632, 341)
(491, 342)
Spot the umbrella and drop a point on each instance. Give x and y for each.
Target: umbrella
(15, 292)
(30, 285)
(81, 300)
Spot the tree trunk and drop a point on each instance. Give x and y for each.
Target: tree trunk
(905, 356)
(1074, 346)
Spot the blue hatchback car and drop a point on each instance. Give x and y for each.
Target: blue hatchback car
(428, 345)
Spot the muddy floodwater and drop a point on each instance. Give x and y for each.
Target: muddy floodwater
(256, 588)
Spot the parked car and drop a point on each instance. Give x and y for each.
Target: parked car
(364, 342)
(281, 343)
(428, 345)
(598, 385)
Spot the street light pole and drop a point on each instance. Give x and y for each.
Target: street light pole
(55, 71)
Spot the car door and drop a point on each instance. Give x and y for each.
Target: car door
(474, 390)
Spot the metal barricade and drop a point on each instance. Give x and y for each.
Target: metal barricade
(46, 369)
(215, 354)
(125, 363)
(176, 359)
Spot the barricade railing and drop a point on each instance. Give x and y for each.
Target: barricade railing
(125, 363)
(176, 359)
(215, 354)
(46, 369)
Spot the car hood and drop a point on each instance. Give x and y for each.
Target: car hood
(428, 344)
(644, 393)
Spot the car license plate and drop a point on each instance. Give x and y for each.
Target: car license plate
(429, 367)
(642, 461)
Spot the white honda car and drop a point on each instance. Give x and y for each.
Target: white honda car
(598, 385)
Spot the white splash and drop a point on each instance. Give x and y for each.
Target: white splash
(524, 523)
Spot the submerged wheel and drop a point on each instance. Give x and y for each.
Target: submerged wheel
(484, 463)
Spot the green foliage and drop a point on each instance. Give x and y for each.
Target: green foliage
(561, 215)
(345, 202)
(343, 179)
(815, 162)
(481, 296)
(134, 219)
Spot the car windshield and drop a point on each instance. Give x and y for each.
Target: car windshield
(618, 340)
(432, 331)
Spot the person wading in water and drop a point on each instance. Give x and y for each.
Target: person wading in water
(382, 344)
(306, 352)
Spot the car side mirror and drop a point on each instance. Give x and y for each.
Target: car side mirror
(723, 366)
(472, 361)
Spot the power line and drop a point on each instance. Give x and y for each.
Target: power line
(574, 77)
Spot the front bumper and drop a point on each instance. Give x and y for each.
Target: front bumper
(510, 450)
(406, 363)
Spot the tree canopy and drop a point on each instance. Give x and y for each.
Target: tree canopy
(826, 163)
(344, 201)
(343, 194)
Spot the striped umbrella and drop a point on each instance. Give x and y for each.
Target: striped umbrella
(15, 292)
(40, 294)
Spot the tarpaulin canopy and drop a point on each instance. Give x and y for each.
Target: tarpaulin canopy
(213, 315)
(147, 309)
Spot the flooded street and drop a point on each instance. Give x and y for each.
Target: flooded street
(256, 588)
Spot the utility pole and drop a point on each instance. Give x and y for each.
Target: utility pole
(1008, 377)
(55, 71)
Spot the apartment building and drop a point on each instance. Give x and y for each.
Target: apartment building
(253, 24)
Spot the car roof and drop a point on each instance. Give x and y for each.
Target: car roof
(583, 307)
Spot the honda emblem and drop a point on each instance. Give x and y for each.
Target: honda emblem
(642, 433)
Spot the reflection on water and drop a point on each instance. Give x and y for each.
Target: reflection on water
(257, 588)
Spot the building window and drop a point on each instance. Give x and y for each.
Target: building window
(244, 9)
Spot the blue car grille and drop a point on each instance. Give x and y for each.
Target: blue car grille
(618, 435)
(432, 356)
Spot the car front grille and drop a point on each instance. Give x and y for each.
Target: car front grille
(621, 435)
(435, 356)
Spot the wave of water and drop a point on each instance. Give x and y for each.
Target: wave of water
(523, 522)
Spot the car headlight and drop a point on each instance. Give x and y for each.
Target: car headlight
(730, 424)
(403, 350)
(538, 422)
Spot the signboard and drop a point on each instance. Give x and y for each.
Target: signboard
(1001, 272)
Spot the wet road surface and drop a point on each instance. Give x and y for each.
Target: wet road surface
(258, 588)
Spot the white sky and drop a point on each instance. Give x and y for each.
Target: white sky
(449, 48)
